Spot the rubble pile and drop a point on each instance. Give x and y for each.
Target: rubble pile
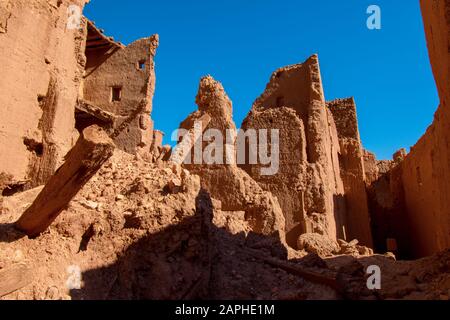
(141, 230)
(93, 206)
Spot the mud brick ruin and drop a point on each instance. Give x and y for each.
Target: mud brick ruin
(73, 79)
(143, 227)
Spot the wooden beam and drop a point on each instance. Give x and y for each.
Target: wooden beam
(94, 38)
(100, 42)
(91, 151)
(329, 280)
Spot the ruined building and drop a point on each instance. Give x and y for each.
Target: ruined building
(84, 175)
(426, 170)
(328, 184)
(321, 179)
(60, 81)
(232, 186)
(411, 194)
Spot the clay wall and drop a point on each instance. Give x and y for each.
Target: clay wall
(231, 186)
(42, 61)
(425, 173)
(352, 170)
(309, 183)
(121, 80)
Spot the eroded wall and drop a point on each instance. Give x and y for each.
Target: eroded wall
(42, 62)
(224, 180)
(385, 194)
(426, 170)
(409, 200)
(352, 170)
(308, 184)
(130, 70)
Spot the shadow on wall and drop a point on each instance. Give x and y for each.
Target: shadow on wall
(339, 207)
(175, 263)
(168, 265)
(197, 260)
(390, 225)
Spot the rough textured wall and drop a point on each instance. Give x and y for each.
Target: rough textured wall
(371, 169)
(426, 170)
(41, 69)
(130, 70)
(286, 184)
(308, 183)
(352, 170)
(385, 195)
(227, 183)
(158, 137)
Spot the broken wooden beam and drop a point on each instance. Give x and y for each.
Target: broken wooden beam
(91, 151)
(329, 280)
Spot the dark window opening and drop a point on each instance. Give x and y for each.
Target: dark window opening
(40, 98)
(116, 94)
(141, 65)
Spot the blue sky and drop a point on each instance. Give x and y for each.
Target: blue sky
(241, 42)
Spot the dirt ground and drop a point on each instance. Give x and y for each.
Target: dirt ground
(139, 230)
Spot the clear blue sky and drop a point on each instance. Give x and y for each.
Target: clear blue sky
(241, 42)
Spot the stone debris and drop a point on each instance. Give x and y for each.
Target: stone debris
(175, 245)
(95, 205)
(317, 244)
(93, 148)
(352, 248)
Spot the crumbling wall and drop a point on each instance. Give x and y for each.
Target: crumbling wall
(231, 186)
(352, 170)
(371, 168)
(308, 184)
(157, 144)
(158, 137)
(286, 183)
(385, 194)
(121, 80)
(42, 63)
(426, 170)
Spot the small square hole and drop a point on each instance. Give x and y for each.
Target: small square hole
(116, 94)
(141, 65)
